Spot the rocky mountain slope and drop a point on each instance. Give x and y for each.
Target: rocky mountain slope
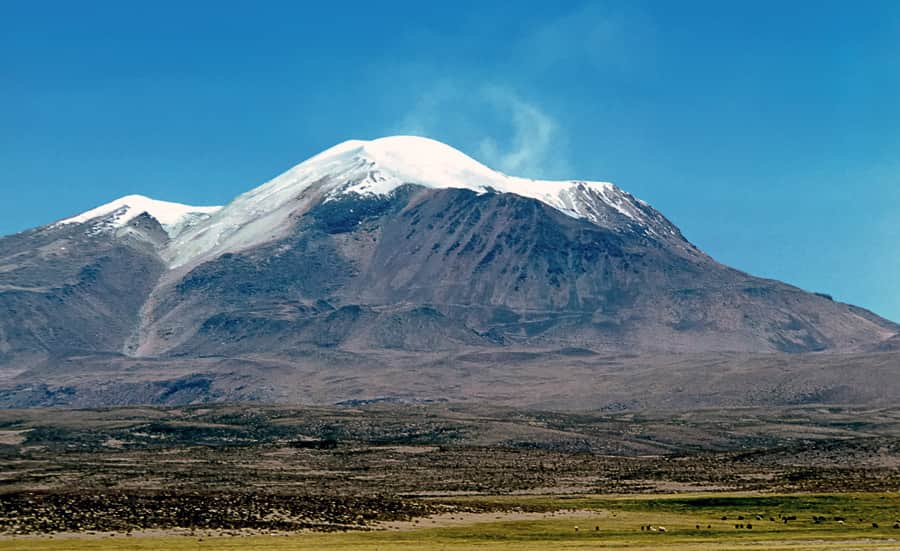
(399, 244)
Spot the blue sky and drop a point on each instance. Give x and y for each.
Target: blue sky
(768, 131)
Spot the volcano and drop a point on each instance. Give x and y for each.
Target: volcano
(399, 251)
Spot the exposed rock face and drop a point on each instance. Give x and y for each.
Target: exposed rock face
(423, 269)
(362, 249)
(64, 291)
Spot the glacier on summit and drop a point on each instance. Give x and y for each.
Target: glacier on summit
(364, 168)
(377, 167)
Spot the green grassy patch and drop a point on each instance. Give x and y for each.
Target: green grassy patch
(592, 522)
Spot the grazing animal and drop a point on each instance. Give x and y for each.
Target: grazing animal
(874, 525)
(662, 529)
(841, 522)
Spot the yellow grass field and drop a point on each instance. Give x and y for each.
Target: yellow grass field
(585, 523)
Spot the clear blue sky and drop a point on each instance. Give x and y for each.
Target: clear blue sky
(769, 131)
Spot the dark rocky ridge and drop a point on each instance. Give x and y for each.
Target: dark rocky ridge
(66, 291)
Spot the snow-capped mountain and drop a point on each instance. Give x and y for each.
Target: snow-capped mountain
(365, 169)
(173, 217)
(377, 168)
(395, 246)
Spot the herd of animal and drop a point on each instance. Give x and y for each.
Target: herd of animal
(816, 519)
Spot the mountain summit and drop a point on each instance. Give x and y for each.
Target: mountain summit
(173, 217)
(376, 168)
(401, 246)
